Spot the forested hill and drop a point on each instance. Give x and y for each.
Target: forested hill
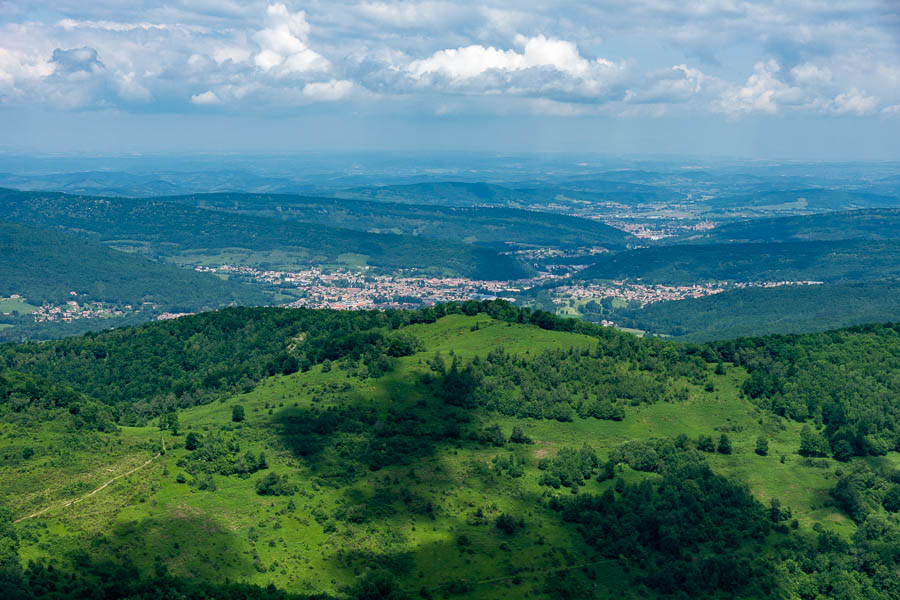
(761, 311)
(448, 193)
(473, 450)
(453, 193)
(492, 226)
(842, 261)
(168, 229)
(45, 265)
(870, 224)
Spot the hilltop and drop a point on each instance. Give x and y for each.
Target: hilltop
(461, 451)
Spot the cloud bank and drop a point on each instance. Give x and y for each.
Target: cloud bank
(620, 58)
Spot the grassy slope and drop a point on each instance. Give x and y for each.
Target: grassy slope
(206, 534)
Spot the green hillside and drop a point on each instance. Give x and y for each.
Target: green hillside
(498, 227)
(759, 311)
(44, 265)
(462, 451)
(872, 224)
(843, 261)
(177, 232)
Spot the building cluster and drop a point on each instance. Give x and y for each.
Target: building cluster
(353, 289)
(74, 310)
(642, 294)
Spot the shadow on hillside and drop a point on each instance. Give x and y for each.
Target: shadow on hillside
(182, 544)
(345, 435)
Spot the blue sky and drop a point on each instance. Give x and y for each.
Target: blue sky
(776, 78)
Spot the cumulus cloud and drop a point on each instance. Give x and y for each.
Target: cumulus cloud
(854, 102)
(328, 90)
(206, 98)
(283, 43)
(498, 55)
(761, 93)
(467, 62)
(545, 66)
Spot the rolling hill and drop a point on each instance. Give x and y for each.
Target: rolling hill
(761, 311)
(840, 261)
(174, 231)
(874, 224)
(488, 226)
(462, 451)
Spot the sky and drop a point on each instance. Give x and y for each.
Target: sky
(793, 79)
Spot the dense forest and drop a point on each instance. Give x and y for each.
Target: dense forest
(491, 226)
(760, 311)
(166, 229)
(45, 266)
(842, 261)
(870, 224)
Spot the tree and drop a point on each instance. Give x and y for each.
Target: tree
(192, 441)
(172, 423)
(518, 436)
(762, 445)
(237, 413)
(724, 446)
(812, 443)
(507, 524)
(891, 502)
(842, 450)
(494, 436)
(705, 443)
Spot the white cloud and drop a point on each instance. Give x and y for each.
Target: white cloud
(283, 43)
(206, 98)
(469, 61)
(469, 57)
(328, 90)
(808, 73)
(759, 94)
(854, 102)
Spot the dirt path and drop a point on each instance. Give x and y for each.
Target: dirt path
(89, 494)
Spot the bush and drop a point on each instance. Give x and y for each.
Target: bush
(237, 413)
(762, 446)
(192, 441)
(891, 502)
(724, 446)
(508, 524)
(275, 485)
